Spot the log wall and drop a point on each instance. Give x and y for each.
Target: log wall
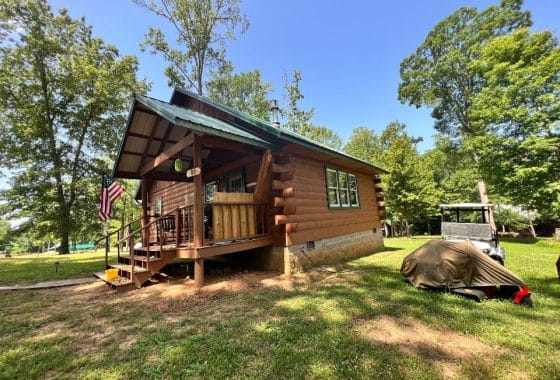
(311, 213)
(172, 193)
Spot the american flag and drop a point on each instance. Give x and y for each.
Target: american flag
(110, 190)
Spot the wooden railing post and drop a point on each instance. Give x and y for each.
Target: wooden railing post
(177, 228)
(107, 248)
(119, 244)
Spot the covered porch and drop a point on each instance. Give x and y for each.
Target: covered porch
(206, 217)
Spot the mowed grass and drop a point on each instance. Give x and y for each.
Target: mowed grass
(32, 268)
(361, 322)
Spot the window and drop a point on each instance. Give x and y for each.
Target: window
(235, 182)
(210, 188)
(353, 188)
(342, 189)
(158, 206)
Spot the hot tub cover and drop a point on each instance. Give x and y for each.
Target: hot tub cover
(454, 265)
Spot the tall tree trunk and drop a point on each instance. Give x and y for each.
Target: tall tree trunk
(64, 230)
(531, 227)
(64, 240)
(484, 199)
(407, 228)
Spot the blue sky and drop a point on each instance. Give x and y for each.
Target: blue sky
(348, 51)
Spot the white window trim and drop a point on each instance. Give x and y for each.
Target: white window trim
(335, 188)
(339, 189)
(350, 190)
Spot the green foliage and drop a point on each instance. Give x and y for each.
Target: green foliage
(63, 99)
(296, 117)
(322, 135)
(440, 74)
(365, 144)
(201, 29)
(4, 235)
(409, 188)
(495, 87)
(245, 92)
(520, 104)
(453, 171)
(299, 121)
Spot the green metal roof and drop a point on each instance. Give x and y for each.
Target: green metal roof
(199, 122)
(280, 133)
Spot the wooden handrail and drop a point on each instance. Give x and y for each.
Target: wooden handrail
(117, 230)
(149, 224)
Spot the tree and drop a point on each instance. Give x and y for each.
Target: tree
(297, 118)
(202, 29)
(5, 230)
(453, 172)
(322, 135)
(365, 144)
(63, 101)
(245, 92)
(299, 121)
(440, 74)
(409, 188)
(520, 104)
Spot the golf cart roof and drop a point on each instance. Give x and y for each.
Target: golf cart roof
(476, 206)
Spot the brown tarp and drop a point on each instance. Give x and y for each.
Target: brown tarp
(452, 265)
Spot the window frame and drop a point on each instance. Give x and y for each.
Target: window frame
(234, 175)
(338, 189)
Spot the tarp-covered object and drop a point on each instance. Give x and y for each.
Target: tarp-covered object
(454, 265)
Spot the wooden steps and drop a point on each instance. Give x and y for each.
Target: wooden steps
(128, 268)
(156, 248)
(141, 258)
(119, 283)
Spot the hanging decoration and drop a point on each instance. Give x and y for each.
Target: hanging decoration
(178, 165)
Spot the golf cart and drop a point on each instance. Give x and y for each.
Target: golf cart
(471, 221)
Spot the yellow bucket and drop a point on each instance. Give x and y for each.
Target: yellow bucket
(111, 274)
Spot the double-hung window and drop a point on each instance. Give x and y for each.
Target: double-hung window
(342, 188)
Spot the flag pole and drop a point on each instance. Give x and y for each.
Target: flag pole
(107, 244)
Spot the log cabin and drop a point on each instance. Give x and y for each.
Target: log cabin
(216, 181)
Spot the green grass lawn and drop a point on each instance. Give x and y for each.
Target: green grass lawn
(363, 322)
(32, 268)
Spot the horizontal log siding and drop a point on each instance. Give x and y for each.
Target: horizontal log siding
(172, 193)
(313, 217)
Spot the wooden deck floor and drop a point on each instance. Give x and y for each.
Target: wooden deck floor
(222, 248)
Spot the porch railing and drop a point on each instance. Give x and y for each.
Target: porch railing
(237, 220)
(223, 221)
(122, 231)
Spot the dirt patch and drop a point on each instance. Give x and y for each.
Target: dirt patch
(445, 349)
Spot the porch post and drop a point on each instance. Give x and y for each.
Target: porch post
(144, 219)
(198, 198)
(199, 273)
(198, 212)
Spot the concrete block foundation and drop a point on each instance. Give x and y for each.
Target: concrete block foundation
(300, 257)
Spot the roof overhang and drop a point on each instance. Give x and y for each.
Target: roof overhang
(154, 127)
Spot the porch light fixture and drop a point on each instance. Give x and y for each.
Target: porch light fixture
(178, 164)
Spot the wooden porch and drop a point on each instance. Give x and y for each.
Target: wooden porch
(159, 136)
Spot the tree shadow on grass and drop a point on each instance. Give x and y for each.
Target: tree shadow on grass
(310, 330)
